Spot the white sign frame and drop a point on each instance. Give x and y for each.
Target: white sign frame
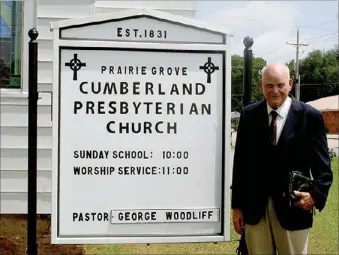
(222, 48)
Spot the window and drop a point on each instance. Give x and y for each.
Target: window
(11, 26)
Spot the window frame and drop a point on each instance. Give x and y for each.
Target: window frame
(29, 20)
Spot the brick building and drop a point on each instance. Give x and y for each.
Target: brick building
(329, 106)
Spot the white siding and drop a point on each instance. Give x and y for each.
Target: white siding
(14, 118)
(14, 110)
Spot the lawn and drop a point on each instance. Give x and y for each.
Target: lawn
(323, 236)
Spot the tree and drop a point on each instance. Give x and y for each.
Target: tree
(237, 80)
(319, 74)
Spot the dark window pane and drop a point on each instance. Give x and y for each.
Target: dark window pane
(10, 43)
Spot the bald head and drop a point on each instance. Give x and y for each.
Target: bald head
(276, 84)
(276, 69)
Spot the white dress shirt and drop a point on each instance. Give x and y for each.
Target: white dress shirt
(281, 117)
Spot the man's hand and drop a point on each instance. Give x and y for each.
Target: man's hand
(306, 202)
(238, 221)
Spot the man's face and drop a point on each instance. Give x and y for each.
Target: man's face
(275, 86)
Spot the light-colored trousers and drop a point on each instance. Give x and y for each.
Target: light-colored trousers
(268, 237)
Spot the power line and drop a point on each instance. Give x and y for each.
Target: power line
(323, 23)
(311, 38)
(325, 29)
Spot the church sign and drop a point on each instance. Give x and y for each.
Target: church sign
(141, 130)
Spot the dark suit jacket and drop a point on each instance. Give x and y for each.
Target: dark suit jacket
(261, 170)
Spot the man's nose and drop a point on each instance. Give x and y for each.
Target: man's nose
(275, 89)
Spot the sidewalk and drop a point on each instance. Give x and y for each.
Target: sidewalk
(333, 142)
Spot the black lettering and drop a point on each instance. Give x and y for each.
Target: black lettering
(109, 88)
(173, 127)
(119, 34)
(149, 87)
(81, 87)
(103, 68)
(170, 108)
(136, 88)
(112, 107)
(137, 216)
(89, 106)
(184, 71)
(147, 126)
(128, 32)
(169, 71)
(157, 127)
(136, 128)
(123, 88)
(77, 106)
(193, 109)
(92, 216)
(101, 107)
(75, 216)
(109, 128)
(119, 70)
(124, 127)
(174, 89)
(143, 70)
(160, 92)
(120, 216)
(148, 104)
(123, 107)
(168, 216)
(187, 88)
(181, 108)
(206, 108)
(161, 71)
(158, 108)
(76, 170)
(136, 107)
(201, 90)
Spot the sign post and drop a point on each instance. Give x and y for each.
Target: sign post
(32, 247)
(141, 130)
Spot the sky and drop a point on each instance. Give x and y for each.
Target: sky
(272, 24)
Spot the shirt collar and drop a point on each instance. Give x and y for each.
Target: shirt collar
(282, 109)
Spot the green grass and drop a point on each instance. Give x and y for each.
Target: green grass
(323, 235)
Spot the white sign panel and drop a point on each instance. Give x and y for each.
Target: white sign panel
(140, 143)
(143, 29)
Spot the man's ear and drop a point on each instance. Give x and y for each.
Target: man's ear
(260, 85)
(290, 84)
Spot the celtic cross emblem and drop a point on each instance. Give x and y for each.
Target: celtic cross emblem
(75, 65)
(209, 68)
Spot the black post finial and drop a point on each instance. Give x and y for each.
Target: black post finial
(33, 34)
(248, 42)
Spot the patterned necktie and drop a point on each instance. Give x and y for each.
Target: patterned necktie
(273, 128)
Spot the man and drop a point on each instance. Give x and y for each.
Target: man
(275, 137)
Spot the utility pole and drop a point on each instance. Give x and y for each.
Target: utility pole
(298, 44)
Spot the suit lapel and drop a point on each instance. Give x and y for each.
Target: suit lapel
(292, 122)
(263, 122)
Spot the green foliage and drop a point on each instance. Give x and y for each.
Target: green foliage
(319, 76)
(237, 80)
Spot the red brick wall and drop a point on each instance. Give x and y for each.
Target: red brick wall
(331, 119)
